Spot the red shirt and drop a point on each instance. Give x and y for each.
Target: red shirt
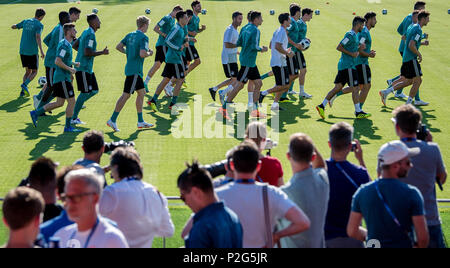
(271, 170)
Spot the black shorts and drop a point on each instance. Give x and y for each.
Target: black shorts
(191, 53)
(364, 74)
(248, 73)
(301, 60)
(49, 72)
(185, 63)
(63, 90)
(30, 62)
(231, 70)
(401, 54)
(161, 54)
(411, 69)
(281, 75)
(173, 71)
(292, 64)
(86, 82)
(347, 76)
(133, 83)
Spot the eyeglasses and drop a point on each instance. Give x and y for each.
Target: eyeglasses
(76, 198)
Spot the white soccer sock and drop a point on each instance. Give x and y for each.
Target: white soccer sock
(275, 104)
(225, 91)
(169, 84)
(302, 89)
(215, 89)
(325, 102)
(147, 80)
(389, 90)
(265, 92)
(357, 108)
(250, 97)
(409, 101)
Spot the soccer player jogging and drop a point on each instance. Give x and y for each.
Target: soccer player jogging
(62, 79)
(411, 59)
(29, 43)
(307, 14)
(136, 44)
(349, 47)
(229, 54)
(402, 30)
(279, 48)
(176, 42)
(162, 28)
(194, 29)
(362, 61)
(249, 41)
(87, 50)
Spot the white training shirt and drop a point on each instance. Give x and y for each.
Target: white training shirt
(140, 212)
(229, 55)
(247, 202)
(105, 235)
(279, 36)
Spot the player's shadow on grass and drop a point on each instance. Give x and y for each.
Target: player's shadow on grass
(134, 136)
(365, 128)
(427, 119)
(292, 114)
(14, 105)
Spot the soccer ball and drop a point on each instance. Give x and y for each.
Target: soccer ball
(305, 43)
(204, 11)
(272, 12)
(148, 11)
(95, 11)
(384, 11)
(42, 81)
(317, 12)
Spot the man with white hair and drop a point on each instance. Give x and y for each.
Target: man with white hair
(82, 194)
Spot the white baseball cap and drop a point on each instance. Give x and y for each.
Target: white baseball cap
(395, 151)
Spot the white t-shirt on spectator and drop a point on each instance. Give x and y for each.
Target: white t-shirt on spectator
(229, 55)
(279, 36)
(105, 235)
(139, 210)
(246, 201)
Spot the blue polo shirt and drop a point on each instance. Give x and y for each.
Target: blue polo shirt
(49, 228)
(341, 193)
(215, 226)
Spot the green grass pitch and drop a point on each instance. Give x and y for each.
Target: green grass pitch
(163, 154)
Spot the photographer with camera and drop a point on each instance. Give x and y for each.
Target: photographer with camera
(345, 178)
(428, 167)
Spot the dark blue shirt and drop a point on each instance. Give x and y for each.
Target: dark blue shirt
(49, 228)
(404, 200)
(215, 226)
(341, 194)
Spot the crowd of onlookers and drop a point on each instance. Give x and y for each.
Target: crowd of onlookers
(323, 205)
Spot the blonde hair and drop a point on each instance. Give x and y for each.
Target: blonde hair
(141, 21)
(257, 132)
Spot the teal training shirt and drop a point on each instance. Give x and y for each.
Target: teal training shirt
(51, 41)
(194, 26)
(402, 29)
(186, 34)
(134, 43)
(302, 29)
(292, 32)
(350, 43)
(30, 28)
(364, 37)
(249, 41)
(174, 42)
(63, 51)
(87, 40)
(165, 25)
(414, 33)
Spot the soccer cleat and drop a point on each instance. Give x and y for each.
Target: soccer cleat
(224, 113)
(401, 96)
(71, 130)
(83, 107)
(213, 94)
(305, 95)
(25, 91)
(420, 103)
(321, 110)
(362, 115)
(112, 125)
(383, 96)
(34, 118)
(276, 108)
(257, 114)
(332, 100)
(36, 102)
(144, 125)
(285, 100)
(77, 122)
(293, 92)
(261, 98)
(152, 105)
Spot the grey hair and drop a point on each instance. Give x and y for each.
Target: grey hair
(90, 178)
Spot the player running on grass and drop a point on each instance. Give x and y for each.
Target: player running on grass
(192, 56)
(136, 44)
(62, 80)
(29, 43)
(349, 47)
